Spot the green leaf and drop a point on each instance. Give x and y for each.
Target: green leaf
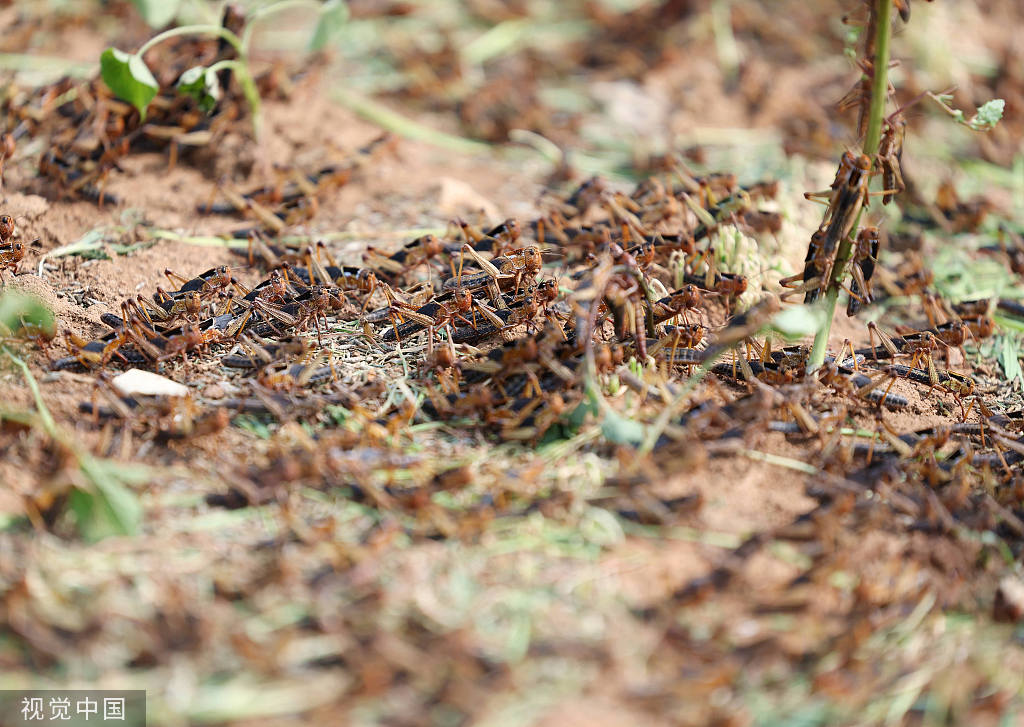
(578, 415)
(157, 13)
(337, 414)
(252, 424)
(798, 321)
(129, 78)
(620, 430)
(333, 15)
(1009, 359)
(988, 115)
(108, 507)
(600, 527)
(201, 84)
(18, 310)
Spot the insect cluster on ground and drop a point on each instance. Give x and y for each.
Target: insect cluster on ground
(647, 327)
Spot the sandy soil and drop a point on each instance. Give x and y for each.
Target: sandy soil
(533, 625)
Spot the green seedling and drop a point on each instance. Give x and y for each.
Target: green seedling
(131, 80)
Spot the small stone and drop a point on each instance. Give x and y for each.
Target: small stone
(214, 391)
(1009, 602)
(135, 382)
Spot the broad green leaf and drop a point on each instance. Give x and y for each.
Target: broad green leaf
(201, 84)
(18, 310)
(798, 321)
(578, 415)
(333, 15)
(106, 511)
(1009, 359)
(157, 13)
(617, 428)
(129, 78)
(107, 507)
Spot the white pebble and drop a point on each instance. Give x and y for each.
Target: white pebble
(135, 382)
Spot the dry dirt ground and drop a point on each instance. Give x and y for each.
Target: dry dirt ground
(776, 592)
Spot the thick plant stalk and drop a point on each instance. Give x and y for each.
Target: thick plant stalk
(882, 13)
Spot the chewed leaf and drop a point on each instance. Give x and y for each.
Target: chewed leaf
(201, 84)
(333, 15)
(129, 78)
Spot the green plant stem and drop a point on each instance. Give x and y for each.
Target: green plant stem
(232, 64)
(879, 91)
(404, 126)
(49, 425)
(211, 29)
(20, 62)
(240, 69)
(105, 481)
(85, 460)
(880, 82)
